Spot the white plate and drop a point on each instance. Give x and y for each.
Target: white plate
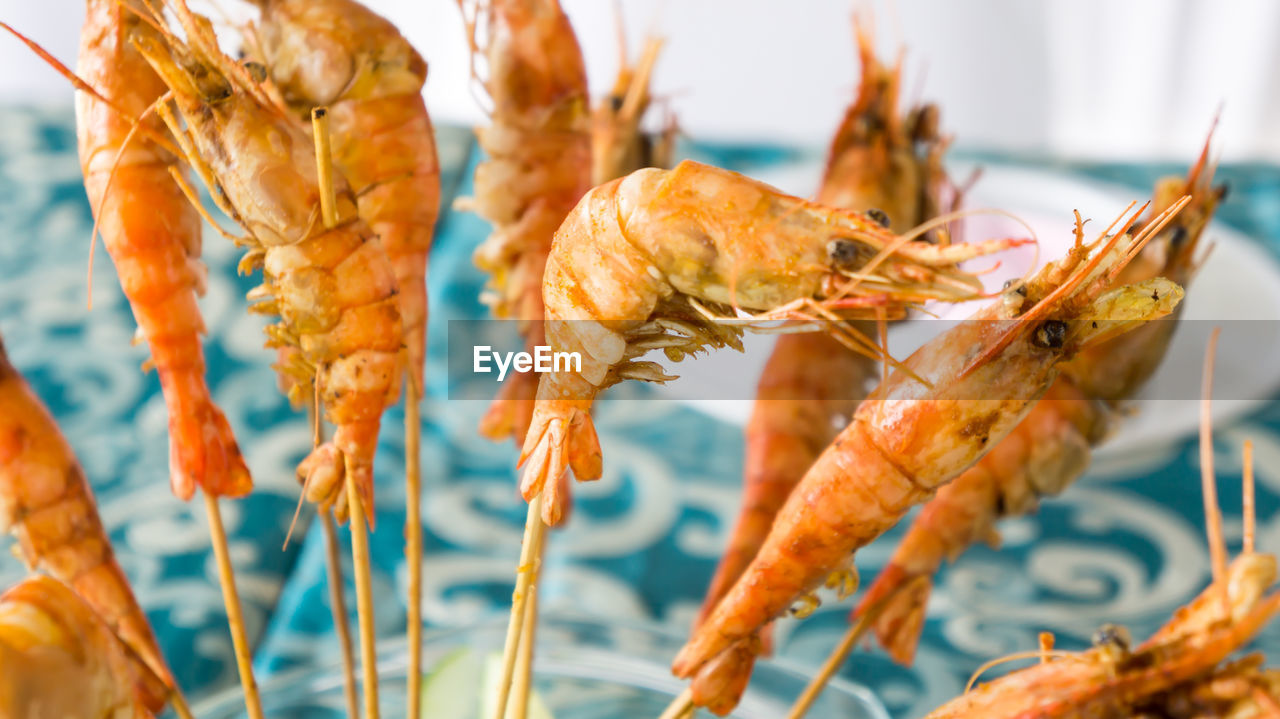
(1238, 282)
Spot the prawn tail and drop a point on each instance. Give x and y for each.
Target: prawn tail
(561, 435)
(902, 610)
(719, 685)
(203, 452)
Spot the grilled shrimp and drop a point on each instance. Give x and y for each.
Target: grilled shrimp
(936, 415)
(334, 288)
(880, 163)
(340, 55)
(618, 145)
(61, 661)
(153, 235)
(46, 503)
(642, 261)
(1176, 668)
(1112, 680)
(538, 165)
(1051, 448)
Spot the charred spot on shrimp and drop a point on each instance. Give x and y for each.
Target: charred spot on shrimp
(980, 427)
(1050, 335)
(256, 70)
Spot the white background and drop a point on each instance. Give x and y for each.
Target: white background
(1118, 79)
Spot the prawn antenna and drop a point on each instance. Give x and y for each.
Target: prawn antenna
(1249, 510)
(1028, 319)
(83, 86)
(1041, 654)
(1208, 479)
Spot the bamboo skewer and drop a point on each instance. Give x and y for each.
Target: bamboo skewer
(844, 648)
(179, 703)
(530, 559)
(364, 598)
(680, 707)
(524, 659)
(413, 540)
(338, 602)
(359, 531)
(235, 617)
(333, 568)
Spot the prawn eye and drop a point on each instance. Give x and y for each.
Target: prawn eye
(615, 102)
(257, 71)
(842, 252)
(1021, 290)
(878, 216)
(1051, 334)
(1177, 236)
(1112, 635)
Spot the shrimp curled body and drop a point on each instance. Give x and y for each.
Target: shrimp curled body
(340, 55)
(60, 661)
(153, 235)
(639, 260)
(965, 391)
(334, 288)
(1052, 447)
(46, 502)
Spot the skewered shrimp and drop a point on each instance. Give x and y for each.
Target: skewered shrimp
(61, 661)
(538, 166)
(153, 235)
(642, 261)
(46, 503)
(1111, 680)
(1176, 667)
(340, 55)
(333, 288)
(1050, 449)
(950, 402)
(618, 145)
(879, 162)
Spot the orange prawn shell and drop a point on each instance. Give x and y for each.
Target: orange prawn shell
(46, 502)
(50, 642)
(153, 236)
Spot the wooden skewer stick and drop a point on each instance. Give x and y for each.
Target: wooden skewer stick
(364, 598)
(844, 648)
(235, 617)
(413, 539)
(179, 703)
(359, 531)
(530, 558)
(337, 597)
(679, 707)
(524, 659)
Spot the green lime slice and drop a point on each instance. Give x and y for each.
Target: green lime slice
(450, 690)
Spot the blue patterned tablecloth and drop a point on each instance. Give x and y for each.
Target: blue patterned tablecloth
(1126, 545)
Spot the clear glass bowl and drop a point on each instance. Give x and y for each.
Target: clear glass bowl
(583, 669)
